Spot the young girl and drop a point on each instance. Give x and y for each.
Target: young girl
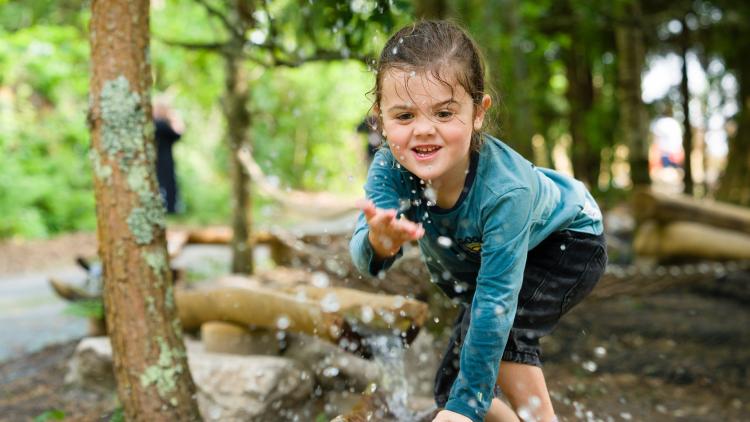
(516, 244)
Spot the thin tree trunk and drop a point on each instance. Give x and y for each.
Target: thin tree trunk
(633, 117)
(687, 136)
(735, 183)
(580, 95)
(517, 81)
(431, 9)
(238, 127)
(153, 378)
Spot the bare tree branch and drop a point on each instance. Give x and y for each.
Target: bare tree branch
(213, 11)
(214, 46)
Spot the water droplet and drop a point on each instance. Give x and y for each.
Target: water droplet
(600, 352)
(214, 413)
(320, 279)
(444, 241)
(330, 303)
(524, 413)
(331, 372)
(367, 314)
(431, 195)
(283, 322)
(589, 366)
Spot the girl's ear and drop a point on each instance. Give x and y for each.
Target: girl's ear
(481, 110)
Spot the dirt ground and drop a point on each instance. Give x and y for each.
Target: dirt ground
(680, 355)
(17, 256)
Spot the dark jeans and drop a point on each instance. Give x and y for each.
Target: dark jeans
(559, 273)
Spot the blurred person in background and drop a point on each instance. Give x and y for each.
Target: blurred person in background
(168, 128)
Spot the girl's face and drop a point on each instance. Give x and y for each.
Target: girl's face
(429, 125)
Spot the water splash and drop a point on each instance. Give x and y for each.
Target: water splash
(388, 354)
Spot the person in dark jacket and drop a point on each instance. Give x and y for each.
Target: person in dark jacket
(167, 130)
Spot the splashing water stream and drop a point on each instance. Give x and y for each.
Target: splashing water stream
(388, 354)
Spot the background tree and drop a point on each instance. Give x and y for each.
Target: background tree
(631, 57)
(153, 378)
(279, 34)
(732, 38)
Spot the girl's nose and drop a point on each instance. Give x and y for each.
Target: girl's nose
(424, 126)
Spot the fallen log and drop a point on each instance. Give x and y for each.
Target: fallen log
(377, 311)
(683, 239)
(339, 315)
(259, 307)
(177, 239)
(664, 208)
(225, 337)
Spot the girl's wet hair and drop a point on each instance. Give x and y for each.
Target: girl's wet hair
(443, 49)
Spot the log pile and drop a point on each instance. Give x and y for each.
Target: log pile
(674, 227)
(339, 315)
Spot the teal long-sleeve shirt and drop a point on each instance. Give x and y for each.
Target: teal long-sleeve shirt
(476, 251)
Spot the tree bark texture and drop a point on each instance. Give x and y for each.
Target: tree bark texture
(153, 379)
(236, 93)
(633, 116)
(687, 134)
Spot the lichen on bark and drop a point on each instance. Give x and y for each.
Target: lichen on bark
(123, 120)
(163, 375)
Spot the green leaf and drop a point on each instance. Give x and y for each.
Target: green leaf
(50, 415)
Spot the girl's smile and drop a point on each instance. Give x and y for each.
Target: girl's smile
(428, 123)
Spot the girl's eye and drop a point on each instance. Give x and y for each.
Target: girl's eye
(404, 116)
(444, 114)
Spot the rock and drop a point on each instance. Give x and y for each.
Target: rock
(225, 337)
(230, 387)
(249, 388)
(91, 365)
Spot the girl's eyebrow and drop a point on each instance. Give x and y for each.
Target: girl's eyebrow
(409, 107)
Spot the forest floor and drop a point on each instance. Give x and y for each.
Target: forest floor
(680, 355)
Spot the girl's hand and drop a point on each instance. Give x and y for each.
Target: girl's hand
(448, 416)
(387, 233)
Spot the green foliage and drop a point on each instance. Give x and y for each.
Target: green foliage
(118, 415)
(304, 124)
(50, 415)
(45, 184)
(93, 308)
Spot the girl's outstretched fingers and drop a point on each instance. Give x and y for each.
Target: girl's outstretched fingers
(367, 207)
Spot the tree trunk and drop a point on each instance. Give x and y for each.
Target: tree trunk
(687, 134)
(430, 9)
(153, 378)
(238, 127)
(580, 96)
(516, 80)
(633, 117)
(735, 183)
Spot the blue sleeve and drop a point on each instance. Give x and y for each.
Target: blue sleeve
(382, 187)
(505, 240)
